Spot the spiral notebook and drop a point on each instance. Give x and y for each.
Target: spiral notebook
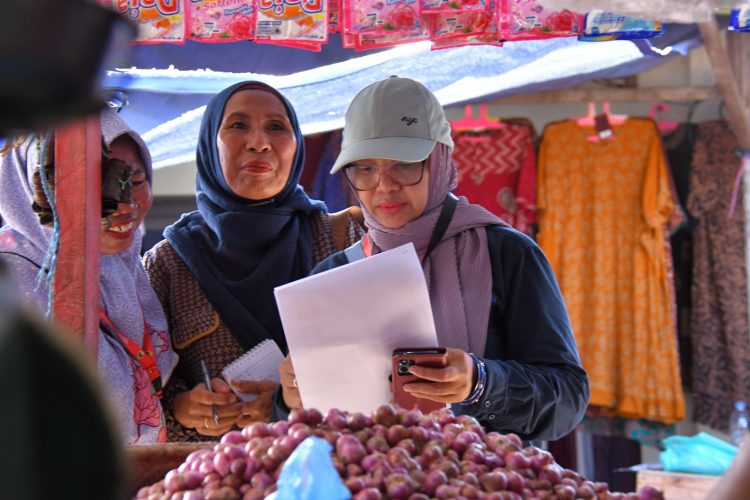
(259, 363)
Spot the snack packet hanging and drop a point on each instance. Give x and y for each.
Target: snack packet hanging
(158, 21)
(210, 21)
(436, 6)
(603, 26)
(479, 24)
(739, 19)
(383, 17)
(368, 41)
(334, 16)
(450, 43)
(292, 20)
(528, 20)
(311, 46)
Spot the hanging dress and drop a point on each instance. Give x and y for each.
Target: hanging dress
(602, 208)
(719, 326)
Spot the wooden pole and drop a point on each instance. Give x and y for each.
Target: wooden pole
(726, 81)
(78, 196)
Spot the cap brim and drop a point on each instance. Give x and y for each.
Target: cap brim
(407, 149)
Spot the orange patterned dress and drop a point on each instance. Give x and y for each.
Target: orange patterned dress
(603, 207)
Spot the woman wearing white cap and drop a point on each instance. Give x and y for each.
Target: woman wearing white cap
(512, 360)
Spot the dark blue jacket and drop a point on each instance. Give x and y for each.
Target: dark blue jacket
(536, 386)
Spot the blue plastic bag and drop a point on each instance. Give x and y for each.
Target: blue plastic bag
(699, 454)
(309, 474)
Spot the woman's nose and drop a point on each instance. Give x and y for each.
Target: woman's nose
(125, 208)
(257, 141)
(385, 182)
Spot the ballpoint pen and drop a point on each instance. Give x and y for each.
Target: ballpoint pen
(214, 411)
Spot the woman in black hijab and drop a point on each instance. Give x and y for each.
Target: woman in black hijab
(255, 229)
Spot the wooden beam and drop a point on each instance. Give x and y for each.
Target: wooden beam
(78, 196)
(586, 94)
(726, 81)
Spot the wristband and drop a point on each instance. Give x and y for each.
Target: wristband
(476, 394)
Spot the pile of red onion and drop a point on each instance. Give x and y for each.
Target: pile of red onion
(391, 453)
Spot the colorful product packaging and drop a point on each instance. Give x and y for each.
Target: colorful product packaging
(450, 43)
(528, 20)
(384, 17)
(739, 19)
(294, 23)
(158, 21)
(334, 16)
(215, 21)
(368, 41)
(474, 24)
(603, 26)
(437, 6)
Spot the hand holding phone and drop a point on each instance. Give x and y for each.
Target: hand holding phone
(402, 359)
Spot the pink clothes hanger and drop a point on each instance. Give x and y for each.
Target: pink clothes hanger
(602, 122)
(658, 113)
(470, 124)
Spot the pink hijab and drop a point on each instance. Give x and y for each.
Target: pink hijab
(459, 270)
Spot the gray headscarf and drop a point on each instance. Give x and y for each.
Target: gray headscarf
(458, 271)
(125, 292)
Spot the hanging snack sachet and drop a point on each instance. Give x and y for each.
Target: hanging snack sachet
(379, 17)
(293, 23)
(528, 20)
(210, 21)
(435, 6)
(603, 26)
(158, 21)
(458, 26)
(739, 19)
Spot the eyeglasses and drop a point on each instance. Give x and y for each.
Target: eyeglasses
(366, 177)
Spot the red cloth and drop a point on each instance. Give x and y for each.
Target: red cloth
(497, 169)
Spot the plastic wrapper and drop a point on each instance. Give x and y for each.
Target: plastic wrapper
(216, 21)
(471, 27)
(158, 21)
(294, 23)
(434, 6)
(601, 26)
(677, 11)
(699, 454)
(383, 17)
(309, 474)
(367, 41)
(739, 20)
(529, 20)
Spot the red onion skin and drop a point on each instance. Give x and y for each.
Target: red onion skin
(368, 494)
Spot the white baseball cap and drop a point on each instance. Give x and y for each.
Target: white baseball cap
(395, 119)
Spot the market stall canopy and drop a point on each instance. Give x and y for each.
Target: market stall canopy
(167, 104)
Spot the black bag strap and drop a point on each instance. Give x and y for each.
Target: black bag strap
(446, 214)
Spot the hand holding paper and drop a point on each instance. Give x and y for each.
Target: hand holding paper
(342, 326)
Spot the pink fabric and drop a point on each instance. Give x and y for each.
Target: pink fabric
(458, 271)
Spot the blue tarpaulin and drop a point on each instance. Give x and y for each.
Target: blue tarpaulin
(167, 103)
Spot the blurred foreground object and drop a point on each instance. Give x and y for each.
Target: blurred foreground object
(53, 54)
(58, 438)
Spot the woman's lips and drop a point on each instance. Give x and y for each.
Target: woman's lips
(257, 168)
(391, 207)
(122, 231)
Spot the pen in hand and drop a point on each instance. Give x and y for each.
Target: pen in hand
(214, 412)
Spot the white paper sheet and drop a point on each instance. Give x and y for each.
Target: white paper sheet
(342, 326)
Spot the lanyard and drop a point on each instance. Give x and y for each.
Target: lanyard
(143, 356)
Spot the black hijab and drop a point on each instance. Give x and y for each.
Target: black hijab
(240, 249)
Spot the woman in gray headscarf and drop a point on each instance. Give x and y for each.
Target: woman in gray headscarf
(131, 317)
(512, 359)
